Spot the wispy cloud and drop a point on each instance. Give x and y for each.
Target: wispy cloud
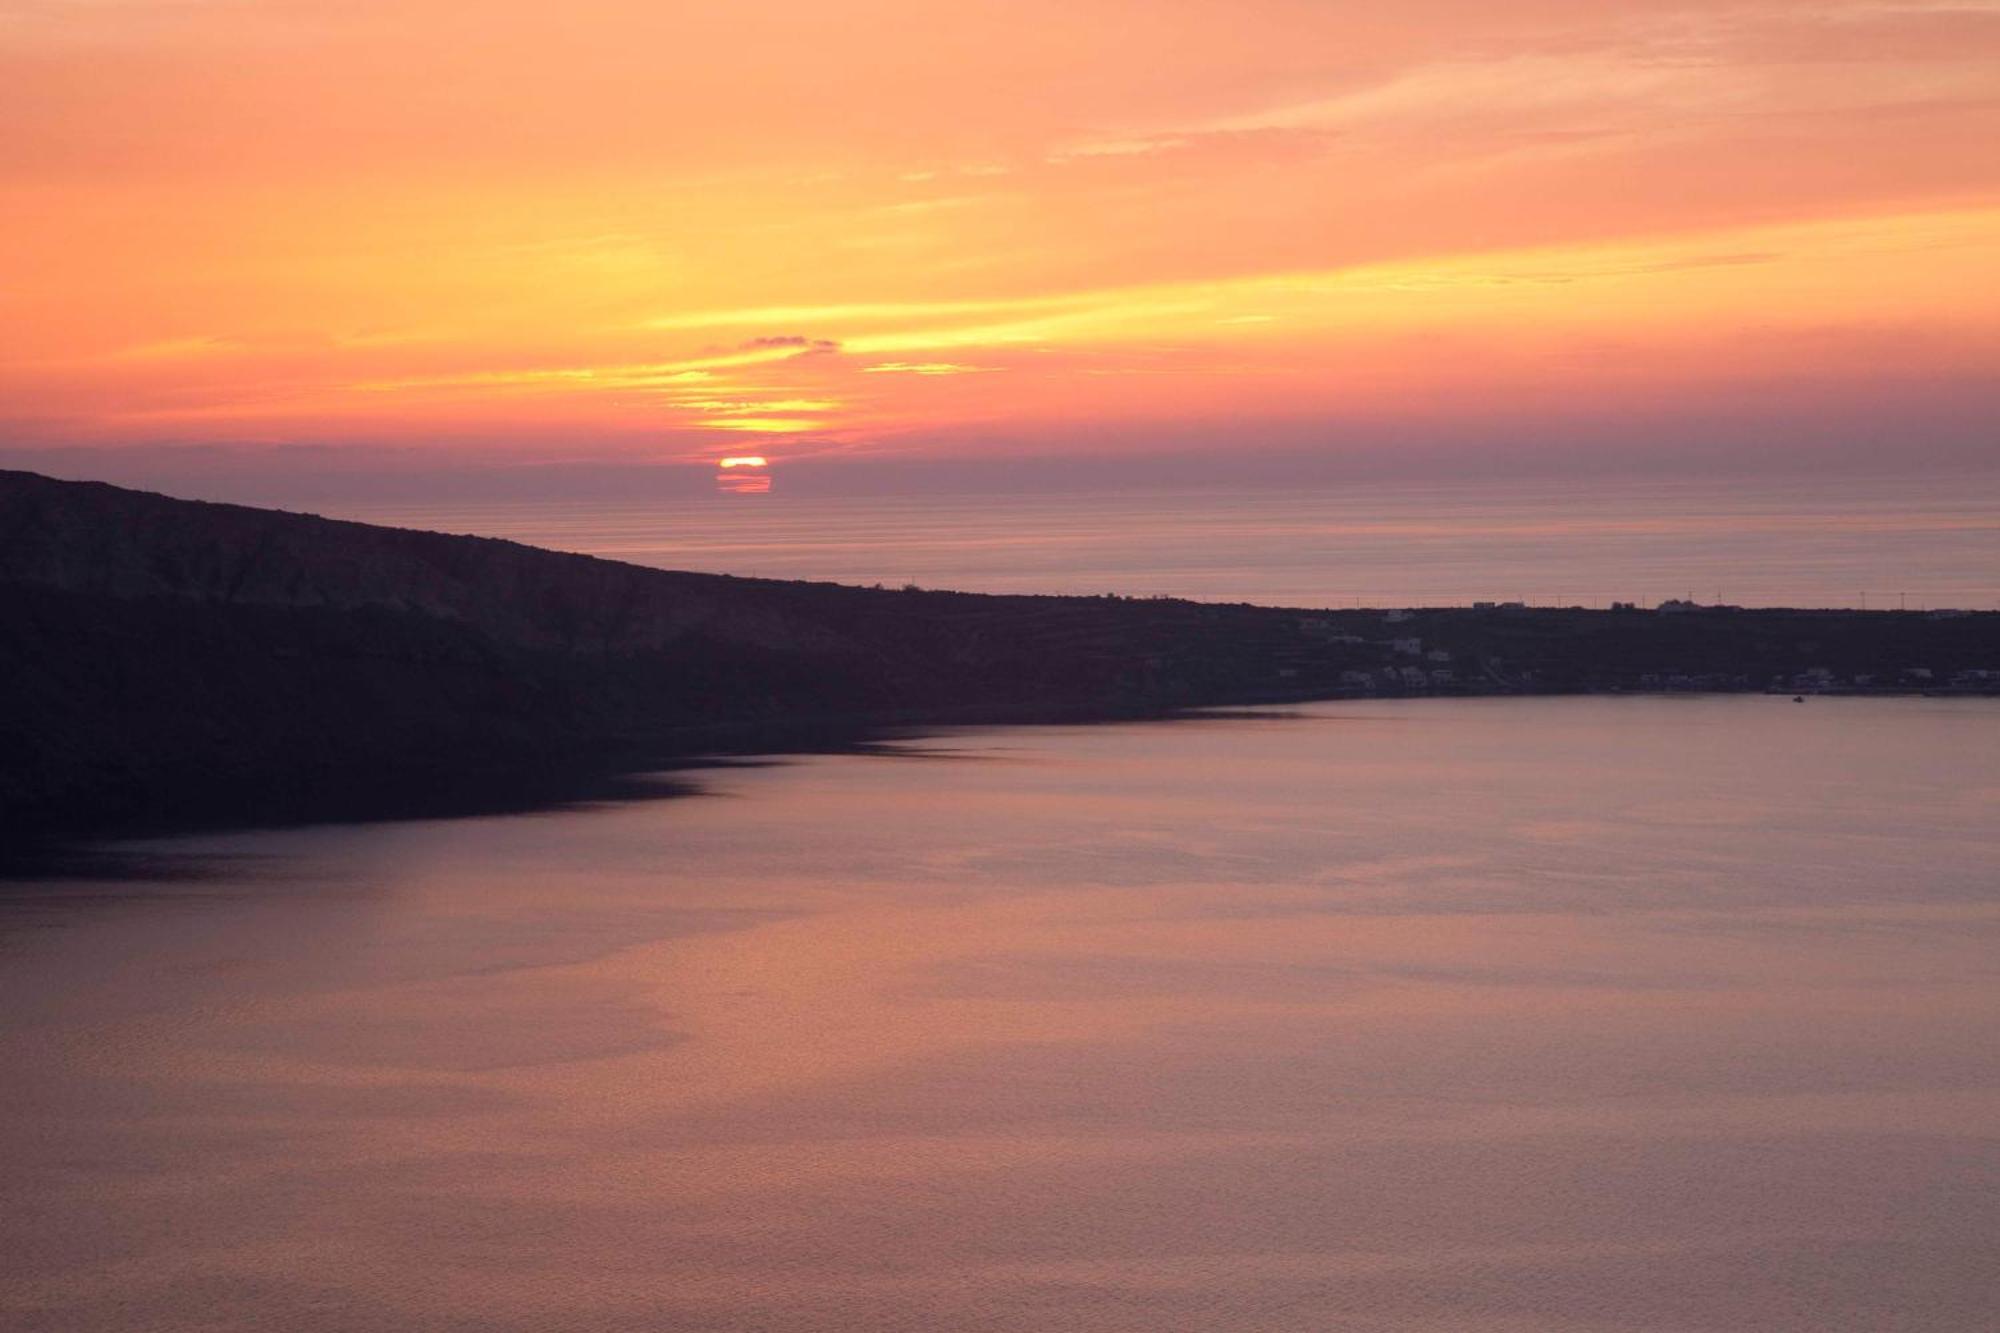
(1265, 205)
(1496, 288)
(1657, 72)
(852, 312)
(797, 343)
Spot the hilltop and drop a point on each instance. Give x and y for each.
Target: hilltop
(168, 661)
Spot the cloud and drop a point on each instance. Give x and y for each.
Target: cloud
(852, 311)
(924, 368)
(762, 425)
(806, 346)
(723, 407)
(1141, 146)
(1663, 75)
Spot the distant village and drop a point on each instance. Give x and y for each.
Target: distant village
(1513, 647)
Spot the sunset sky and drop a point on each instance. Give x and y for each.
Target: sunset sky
(614, 231)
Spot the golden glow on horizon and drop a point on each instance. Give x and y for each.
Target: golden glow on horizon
(1551, 209)
(743, 474)
(761, 425)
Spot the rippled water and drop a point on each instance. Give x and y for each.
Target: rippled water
(1572, 1014)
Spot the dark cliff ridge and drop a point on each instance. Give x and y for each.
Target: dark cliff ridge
(165, 661)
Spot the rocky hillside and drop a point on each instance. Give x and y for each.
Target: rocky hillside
(165, 661)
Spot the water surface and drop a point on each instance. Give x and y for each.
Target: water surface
(1916, 542)
(1569, 1014)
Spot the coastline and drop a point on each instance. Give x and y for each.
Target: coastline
(174, 664)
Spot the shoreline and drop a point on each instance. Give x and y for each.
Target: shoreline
(173, 664)
(55, 853)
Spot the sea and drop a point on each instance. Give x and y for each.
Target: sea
(1916, 542)
(1498, 1015)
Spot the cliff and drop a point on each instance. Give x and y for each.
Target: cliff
(166, 661)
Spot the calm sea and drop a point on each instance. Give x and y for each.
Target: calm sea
(1836, 542)
(1496, 1016)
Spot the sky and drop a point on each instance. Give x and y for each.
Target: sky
(999, 234)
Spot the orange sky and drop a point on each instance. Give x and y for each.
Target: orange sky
(612, 229)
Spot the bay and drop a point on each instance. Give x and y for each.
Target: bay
(1496, 1014)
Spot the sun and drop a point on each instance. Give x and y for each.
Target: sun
(743, 474)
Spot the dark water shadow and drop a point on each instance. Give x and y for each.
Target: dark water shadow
(36, 864)
(96, 852)
(1243, 715)
(52, 886)
(64, 863)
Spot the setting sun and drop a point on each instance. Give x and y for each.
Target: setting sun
(1371, 700)
(1256, 225)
